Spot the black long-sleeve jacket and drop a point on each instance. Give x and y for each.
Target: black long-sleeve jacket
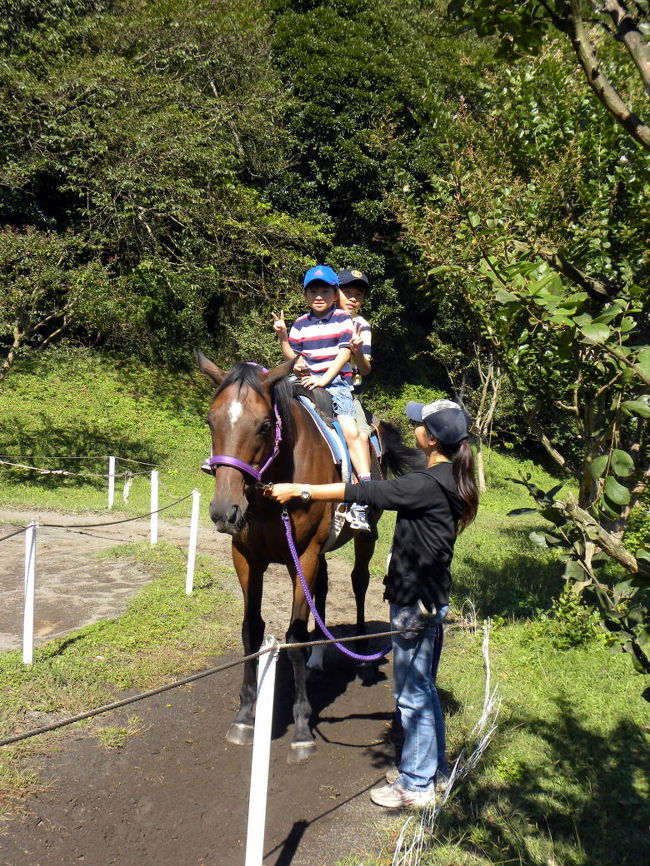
(428, 507)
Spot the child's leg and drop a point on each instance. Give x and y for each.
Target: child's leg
(364, 428)
(359, 453)
(345, 415)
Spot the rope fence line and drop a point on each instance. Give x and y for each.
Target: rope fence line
(30, 532)
(114, 705)
(66, 472)
(76, 457)
(17, 532)
(10, 464)
(112, 522)
(80, 526)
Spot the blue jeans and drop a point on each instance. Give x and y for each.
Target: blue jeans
(414, 688)
(341, 394)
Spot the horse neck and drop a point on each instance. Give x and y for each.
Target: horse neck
(305, 456)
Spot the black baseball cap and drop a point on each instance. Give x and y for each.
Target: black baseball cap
(444, 420)
(346, 277)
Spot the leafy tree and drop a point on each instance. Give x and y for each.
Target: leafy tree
(546, 246)
(147, 132)
(609, 40)
(368, 81)
(48, 290)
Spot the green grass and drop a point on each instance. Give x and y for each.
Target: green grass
(76, 404)
(565, 780)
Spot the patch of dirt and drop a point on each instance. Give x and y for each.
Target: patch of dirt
(177, 793)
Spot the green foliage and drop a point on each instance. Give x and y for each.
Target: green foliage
(389, 403)
(145, 137)
(371, 82)
(571, 623)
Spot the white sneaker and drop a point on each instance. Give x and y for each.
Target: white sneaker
(396, 797)
(358, 517)
(393, 774)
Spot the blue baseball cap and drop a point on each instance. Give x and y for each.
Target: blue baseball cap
(320, 273)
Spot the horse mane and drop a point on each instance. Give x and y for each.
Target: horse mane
(248, 375)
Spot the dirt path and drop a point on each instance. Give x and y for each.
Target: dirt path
(176, 793)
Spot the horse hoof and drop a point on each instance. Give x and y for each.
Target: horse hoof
(240, 735)
(300, 752)
(367, 673)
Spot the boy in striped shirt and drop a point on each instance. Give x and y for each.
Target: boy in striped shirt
(322, 338)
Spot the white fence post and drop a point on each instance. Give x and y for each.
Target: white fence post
(194, 531)
(261, 754)
(29, 591)
(111, 482)
(153, 534)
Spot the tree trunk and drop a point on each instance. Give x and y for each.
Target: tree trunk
(480, 468)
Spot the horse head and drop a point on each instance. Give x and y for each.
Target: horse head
(243, 423)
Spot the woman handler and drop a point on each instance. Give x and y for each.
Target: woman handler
(433, 504)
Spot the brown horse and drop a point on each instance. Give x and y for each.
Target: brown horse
(260, 432)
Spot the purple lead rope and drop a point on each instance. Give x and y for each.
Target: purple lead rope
(310, 601)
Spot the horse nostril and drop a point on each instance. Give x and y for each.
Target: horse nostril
(233, 515)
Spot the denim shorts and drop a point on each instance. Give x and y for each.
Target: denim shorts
(341, 395)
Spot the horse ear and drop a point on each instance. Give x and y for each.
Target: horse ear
(208, 368)
(277, 373)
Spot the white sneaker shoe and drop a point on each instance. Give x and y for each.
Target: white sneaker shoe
(358, 517)
(393, 774)
(396, 797)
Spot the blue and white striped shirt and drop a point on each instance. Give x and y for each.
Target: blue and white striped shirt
(319, 340)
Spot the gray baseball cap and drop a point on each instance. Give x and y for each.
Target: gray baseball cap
(444, 419)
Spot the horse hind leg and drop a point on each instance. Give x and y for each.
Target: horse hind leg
(317, 654)
(364, 547)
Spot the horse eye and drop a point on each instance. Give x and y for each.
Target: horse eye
(265, 426)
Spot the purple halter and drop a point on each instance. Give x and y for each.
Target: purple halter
(246, 468)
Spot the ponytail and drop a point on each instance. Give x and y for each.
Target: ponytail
(463, 471)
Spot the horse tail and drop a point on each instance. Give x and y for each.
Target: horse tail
(397, 458)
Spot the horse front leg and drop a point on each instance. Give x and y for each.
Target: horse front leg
(252, 632)
(302, 745)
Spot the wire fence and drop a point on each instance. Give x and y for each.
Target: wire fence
(114, 705)
(30, 531)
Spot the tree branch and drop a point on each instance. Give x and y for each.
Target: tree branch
(534, 425)
(599, 290)
(599, 83)
(631, 37)
(598, 535)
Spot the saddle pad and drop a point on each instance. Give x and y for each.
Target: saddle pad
(376, 444)
(334, 439)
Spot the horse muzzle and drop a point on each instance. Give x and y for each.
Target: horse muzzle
(229, 518)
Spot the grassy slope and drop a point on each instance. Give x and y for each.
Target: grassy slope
(562, 782)
(73, 404)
